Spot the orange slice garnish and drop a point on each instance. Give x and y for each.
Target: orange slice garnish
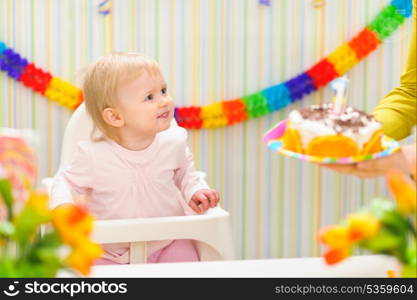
(332, 146)
(292, 140)
(374, 144)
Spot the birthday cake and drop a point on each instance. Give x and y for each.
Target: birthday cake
(318, 131)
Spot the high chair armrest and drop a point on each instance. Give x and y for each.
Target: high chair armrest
(211, 228)
(146, 229)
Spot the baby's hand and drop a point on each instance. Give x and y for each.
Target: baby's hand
(203, 199)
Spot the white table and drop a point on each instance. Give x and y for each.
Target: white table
(355, 266)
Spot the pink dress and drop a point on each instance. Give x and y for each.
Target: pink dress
(119, 183)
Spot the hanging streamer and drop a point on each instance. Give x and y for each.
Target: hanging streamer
(265, 2)
(104, 7)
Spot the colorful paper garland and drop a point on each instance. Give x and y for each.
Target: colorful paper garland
(229, 112)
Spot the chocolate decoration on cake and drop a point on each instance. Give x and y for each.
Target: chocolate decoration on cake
(351, 118)
(317, 130)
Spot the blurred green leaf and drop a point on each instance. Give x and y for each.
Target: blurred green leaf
(48, 243)
(387, 242)
(384, 241)
(408, 271)
(411, 254)
(8, 268)
(27, 224)
(30, 270)
(49, 257)
(41, 259)
(6, 229)
(6, 195)
(40, 268)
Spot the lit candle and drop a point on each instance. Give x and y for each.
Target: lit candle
(339, 85)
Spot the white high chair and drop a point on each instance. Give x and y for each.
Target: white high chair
(210, 231)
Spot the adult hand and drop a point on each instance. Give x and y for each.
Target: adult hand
(403, 160)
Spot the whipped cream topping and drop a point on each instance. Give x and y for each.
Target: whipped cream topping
(318, 120)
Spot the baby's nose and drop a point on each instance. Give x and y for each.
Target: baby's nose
(166, 100)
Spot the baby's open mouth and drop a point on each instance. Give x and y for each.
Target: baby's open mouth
(164, 115)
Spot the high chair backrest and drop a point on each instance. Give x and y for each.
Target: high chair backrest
(79, 128)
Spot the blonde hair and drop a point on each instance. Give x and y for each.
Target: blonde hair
(102, 79)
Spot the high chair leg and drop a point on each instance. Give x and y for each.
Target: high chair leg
(138, 253)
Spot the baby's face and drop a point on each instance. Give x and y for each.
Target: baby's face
(145, 105)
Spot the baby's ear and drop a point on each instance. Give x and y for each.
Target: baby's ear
(112, 117)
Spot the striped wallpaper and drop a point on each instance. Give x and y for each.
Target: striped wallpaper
(212, 50)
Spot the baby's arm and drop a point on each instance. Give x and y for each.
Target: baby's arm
(191, 182)
(73, 179)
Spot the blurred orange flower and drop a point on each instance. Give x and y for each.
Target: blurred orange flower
(335, 255)
(84, 255)
(39, 202)
(362, 226)
(73, 223)
(335, 236)
(403, 190)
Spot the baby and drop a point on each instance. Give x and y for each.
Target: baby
(139, 166)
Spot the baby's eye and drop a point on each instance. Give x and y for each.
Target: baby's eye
(149, 98)
(164, 91)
